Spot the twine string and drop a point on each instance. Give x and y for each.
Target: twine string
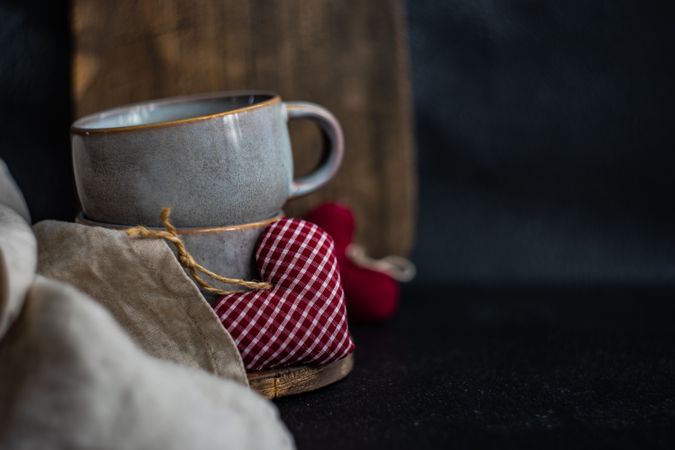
(399, 268)
(188, 262)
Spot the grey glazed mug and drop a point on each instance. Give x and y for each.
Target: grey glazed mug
(227, 250)
(215, 159)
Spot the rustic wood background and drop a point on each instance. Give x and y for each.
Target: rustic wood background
(347, 55)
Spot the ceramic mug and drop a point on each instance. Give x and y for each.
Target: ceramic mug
(216, 159)
(226, 250)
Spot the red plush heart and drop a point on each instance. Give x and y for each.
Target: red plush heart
(303, 318)
(372, 296)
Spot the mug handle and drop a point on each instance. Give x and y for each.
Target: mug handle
(333, 147)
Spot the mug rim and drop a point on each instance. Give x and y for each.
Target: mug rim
(80, 125)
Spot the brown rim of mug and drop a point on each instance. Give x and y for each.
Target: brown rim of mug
(78, 128)
(184, 231)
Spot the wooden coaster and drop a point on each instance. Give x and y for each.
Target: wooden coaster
(275, 383)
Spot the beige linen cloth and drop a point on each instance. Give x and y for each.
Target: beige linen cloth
(70, 375)
(144, 287)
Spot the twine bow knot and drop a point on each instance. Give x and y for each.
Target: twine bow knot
(188, 262)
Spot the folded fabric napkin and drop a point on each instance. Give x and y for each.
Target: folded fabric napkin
(144, 287)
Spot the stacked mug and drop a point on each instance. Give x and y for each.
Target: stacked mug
(222, 162)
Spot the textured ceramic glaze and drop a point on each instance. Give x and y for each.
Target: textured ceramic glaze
(215, 159)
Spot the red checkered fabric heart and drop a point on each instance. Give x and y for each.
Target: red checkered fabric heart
(303, 318)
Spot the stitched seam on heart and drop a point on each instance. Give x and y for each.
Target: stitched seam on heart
(261, 311)
(288, 291)
(319, 314)
(298, 325)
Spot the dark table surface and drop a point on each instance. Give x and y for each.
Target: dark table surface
(504, 368)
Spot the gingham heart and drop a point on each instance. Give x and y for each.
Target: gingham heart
(303, 318)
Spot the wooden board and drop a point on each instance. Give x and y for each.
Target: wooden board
(277, 383)
(348, 55)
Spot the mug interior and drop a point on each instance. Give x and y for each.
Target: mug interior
(170, 110)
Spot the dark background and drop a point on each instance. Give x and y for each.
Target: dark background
(546, 140)
(543, 313)
(546, 143)
(35, 110)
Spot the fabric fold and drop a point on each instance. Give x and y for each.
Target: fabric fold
(70, 378)
(18, 254)
(18, 260)
(10, 195)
